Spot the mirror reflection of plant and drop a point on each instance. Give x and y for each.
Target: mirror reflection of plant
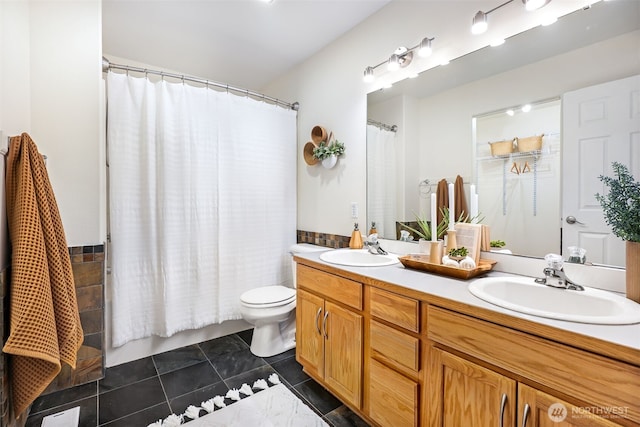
(621, 207)
(324, 150)
(497, 244)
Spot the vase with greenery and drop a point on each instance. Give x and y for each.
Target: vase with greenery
(621, 209)
(328, 152)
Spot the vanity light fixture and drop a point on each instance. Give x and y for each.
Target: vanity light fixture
(368, 75)
(400, 58)
(534, 4)
(479, 24)
(424, 48)
(394, 63)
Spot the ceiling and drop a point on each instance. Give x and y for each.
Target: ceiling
(244, 43)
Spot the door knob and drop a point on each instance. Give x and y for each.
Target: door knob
(572, 220)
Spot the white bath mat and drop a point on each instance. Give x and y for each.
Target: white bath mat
(263, 406)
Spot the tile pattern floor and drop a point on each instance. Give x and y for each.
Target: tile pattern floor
(146, 390)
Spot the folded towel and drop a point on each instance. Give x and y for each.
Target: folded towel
(44, 324)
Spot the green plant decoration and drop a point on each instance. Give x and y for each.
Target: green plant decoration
(424, 226)
(460, 252)
(497, 244)
(621, 206)
(424, 231)
(324, 150)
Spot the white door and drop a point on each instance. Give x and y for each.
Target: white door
(601, 124)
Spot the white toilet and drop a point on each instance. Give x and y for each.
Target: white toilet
(271, 309)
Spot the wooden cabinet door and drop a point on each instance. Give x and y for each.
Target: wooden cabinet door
(309, 337)
(461, 393)
(393, 397)
(539, 409)
(343, 352)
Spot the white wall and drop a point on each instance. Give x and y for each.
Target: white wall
(50, 88)
(331, 93)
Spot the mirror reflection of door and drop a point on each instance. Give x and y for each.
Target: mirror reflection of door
(519, 191)
(601, 124)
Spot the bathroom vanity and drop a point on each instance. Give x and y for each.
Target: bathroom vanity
(402, 347)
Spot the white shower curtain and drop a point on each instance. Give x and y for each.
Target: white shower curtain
(202, 196)
(381, 179)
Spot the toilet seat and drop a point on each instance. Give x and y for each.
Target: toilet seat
(268, 296)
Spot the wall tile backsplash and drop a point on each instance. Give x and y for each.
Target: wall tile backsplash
(334, 241)
(88, 264)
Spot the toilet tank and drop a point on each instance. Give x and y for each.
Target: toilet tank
(302, 248)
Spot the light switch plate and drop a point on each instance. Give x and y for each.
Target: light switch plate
(68, 418)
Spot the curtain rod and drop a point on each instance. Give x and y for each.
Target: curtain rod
(392, 128)
(107, 65)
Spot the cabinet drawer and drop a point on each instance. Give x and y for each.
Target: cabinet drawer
(396, 309)
(589, 377)
(337, 288)
(395, 345)
(394, 398)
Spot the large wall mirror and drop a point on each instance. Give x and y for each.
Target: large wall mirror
(446, 116)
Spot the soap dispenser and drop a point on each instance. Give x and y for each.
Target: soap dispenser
(373, 229)
(356, 238)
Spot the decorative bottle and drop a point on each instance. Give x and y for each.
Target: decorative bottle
(356, 238)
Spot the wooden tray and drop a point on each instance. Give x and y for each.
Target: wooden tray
(421, 262)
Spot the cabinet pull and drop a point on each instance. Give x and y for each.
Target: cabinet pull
(503, 404)
(324, 325)
(318, 318)
(525, 414)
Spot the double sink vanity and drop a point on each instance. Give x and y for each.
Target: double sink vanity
(402, 347)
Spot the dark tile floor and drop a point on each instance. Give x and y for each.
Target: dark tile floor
(146, 390)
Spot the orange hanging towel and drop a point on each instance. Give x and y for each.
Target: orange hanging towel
(45, 328)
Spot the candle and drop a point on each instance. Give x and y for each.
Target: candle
(434, 218)
(474, 206)
(473, 201)
(452, 208)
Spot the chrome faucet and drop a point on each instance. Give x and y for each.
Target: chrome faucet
(373, 246)
(558, 279)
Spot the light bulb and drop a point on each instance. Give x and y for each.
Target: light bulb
(425, 47)
(479, 23)
(394, 62)
(368, 75)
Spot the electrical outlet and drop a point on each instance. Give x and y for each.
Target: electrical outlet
(354, 210)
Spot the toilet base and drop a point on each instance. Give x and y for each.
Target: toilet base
(274, 338)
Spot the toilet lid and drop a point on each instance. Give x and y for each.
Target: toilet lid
(269, 295)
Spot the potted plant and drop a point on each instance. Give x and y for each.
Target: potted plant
(423, 230)
(328, 153)
(621, 208)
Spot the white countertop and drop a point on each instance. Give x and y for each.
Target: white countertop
(456, 290)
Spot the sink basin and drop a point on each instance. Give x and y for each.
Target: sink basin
(526, 296)
(358, 258)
